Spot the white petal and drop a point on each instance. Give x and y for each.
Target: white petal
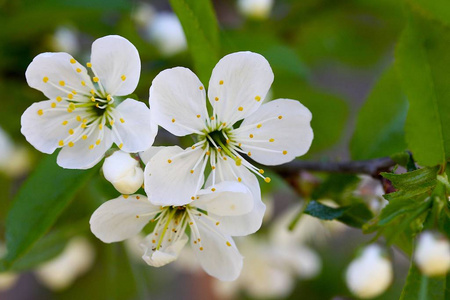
(81, 156)
(177, 101)
(219, 256)
(149, 153)
(42, 127)
(164, 255)
(292, 133)
(247, 223)
(172, 183)
(134, 127)
(116, 220)
(50, 69)
(229, 198)
(239, 83)
(114, 59)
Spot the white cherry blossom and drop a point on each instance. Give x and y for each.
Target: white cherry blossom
(272, 133)
(207, 219)
(82, 116)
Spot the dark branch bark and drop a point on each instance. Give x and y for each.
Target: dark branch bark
(370, 167)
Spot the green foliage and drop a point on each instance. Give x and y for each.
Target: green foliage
(202, 33)
(38, 204)
(379, 127)
(436, 9)
(421, 287)
(423, 61)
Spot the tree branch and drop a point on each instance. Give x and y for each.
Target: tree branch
(370, 167)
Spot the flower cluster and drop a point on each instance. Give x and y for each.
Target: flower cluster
(206, 193)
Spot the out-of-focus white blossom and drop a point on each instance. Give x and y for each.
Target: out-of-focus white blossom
(371, 191)
(370, 274)
(14, 160)
(432, 254)
(65, 39)
(143, 14)
(257, 9)
(60, 272)
(7, 279)
(165, 30)
(124, 172)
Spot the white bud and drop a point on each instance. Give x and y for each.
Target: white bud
(370, 274)
(124, 172)
(432, 254)
(258, 9)
(166, 31)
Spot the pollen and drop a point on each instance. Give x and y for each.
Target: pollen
(95, 79)
(198, 116)
(249, 153)
(122, 120)
(111, 122)
(228, 244)
(259, 126)
(125, 196)
(239, 179)
(221, 82)
(267, 179)
(200, 88)
(121, 145)
(192, 171)
(284, 152)
(201, 248)
(72, 61)
(83, 125)
(240, 144)
(123, 77)
(169, 161)
(83, 83)
(153, 241)
(45, 79)
(64, 122)
(280, 117)
(62, 83)
(192, 198)
(212, 118)
(71, 144)
(271, 140)
(91, 147)
(261, 171)
(207, 153)
(71, 131)
(193, 147)
(240, 108)
(98, 142)
(214, 167)
(78, 118)
(213, 189)
(250, 136)
(258, 98)
(137, 197)
(78, 70)
(217, 223)
(89, 65)
(217, 98)
(40, 112)
(61, 143)
(70, 96)
(191, 223)
(53, 105)
(84, 137)
(173, 120)
(59, 99)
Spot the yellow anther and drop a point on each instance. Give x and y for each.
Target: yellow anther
(271, 140)
(123, 77)
(258, 98)
(261, 171)
(121, 145)
(84, 120)
(221, 82)
(217, 98)
(122, 120)
(207, 153)
(198, 116)
(219, 149)
(173, 120)
(267, 179)
(61, 143)
(40, 112)
(191, 223)
(169, 161)
(213, 167)
(64, 122)
(78, 118)
(72, 106)
(212, 118)
(71, 131)
(240, 144)
(239, 179)
(91, 147)
(238, 162)
(192, 171)
(153, 241)
(96, 105)
(95, 79)
(108, 97)
(59, 99)
(45, 79)
(53, 105)
(193, 147)
(137, 197)
(201, 88)
(78, 70)
(213, 189)
(83, 83)
(74, 92)
(92, 99)
(201, 248)
(111, 122)
(280, 117)
(98, 142)
(259, 126)
(240, 108)
(62, 83)
(72, 61)
(100, 126)
(228, 244)
(284, 152)
(83, 125)
(70, 144)
(217, 223)
(250, 136)
(70, 96)
(192, 198)
(228, 141)
(84, 137)
(137, 216)
(92, 92)
(89, 65)
(249, 153)
(125, 196)
(224, 124)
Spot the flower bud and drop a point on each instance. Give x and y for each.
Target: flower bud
(123, 172)
(167, 33)
(257, 9)
(432, 254)
(370, 274)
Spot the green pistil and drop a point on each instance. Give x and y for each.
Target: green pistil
(219, 139)
(171, 214)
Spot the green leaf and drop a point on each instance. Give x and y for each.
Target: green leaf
(379, 127)
(413, 179)
(436, 9)
(423, 61)
(38, 204)
(202, 33)
(420, 287)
